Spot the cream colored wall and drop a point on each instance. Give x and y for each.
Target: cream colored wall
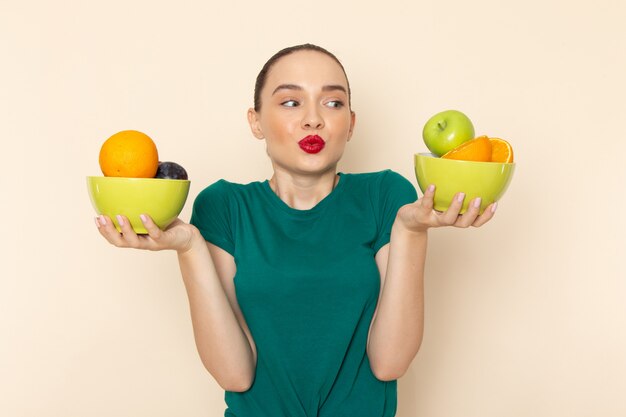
(525, 317)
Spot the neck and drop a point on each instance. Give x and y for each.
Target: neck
(303, 192)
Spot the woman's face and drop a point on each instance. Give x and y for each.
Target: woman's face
(305, 117)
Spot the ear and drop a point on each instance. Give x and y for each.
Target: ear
(255, 124)
(352, 123)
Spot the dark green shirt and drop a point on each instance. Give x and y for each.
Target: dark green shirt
(307, 283)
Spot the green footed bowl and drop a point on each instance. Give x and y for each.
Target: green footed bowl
(488, 180)
(161, 199)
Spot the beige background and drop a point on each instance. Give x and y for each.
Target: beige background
(525, 317)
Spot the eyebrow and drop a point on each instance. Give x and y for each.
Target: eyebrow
(331, 87)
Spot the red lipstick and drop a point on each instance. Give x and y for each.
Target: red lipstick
(312, 144)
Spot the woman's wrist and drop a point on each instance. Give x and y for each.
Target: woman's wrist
(403, 233)
(415, 229)
(195, 241)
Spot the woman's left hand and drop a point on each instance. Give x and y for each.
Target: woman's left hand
(420, 216)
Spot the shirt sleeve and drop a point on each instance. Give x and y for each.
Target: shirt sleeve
(393, 192)
(212, 215)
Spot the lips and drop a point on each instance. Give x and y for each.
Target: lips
(312, 144)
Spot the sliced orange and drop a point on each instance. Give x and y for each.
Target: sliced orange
(478, 149)
(501, 150)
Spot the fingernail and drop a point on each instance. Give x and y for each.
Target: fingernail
(494, 207)
(477, 202)
(143, 218)
(120, 220)
(97, 222)
(103, 221)
(430, 188)
(460, 197)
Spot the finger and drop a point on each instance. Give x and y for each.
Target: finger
(451, 215)
(109, 232)
(153, 230)
(468, 218)
(428, 198)
(487, 215)
(128, 234)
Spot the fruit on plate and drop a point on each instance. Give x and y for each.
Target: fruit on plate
(446, 130)
(478, 149)
(129, 153)
(501, 151)
(171, 170)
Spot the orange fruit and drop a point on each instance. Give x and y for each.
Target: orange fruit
(129, 153)
(501, 150)
(478, 149)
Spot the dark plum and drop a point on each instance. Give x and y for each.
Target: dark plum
(171, 170)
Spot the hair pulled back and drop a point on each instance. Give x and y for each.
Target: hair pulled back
(262, 77)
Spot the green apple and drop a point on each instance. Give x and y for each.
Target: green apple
(447, 130)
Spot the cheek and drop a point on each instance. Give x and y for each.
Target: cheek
(341, 123)
(277, 127)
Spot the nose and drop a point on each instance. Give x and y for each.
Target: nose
(312, 119)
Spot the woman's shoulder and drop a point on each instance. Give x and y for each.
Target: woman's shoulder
(223, 195)
(382, 185)
(377, 177)
(224, 191)
(222, 186)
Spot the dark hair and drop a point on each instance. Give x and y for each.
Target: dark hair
(262, 77)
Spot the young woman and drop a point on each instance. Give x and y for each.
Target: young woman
(305, 290)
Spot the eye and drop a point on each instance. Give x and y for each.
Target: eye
(335, 103)
(290, 103)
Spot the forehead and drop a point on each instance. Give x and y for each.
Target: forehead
(307, 69)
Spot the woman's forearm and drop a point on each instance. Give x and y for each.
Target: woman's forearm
(222, 344)
(397, 330)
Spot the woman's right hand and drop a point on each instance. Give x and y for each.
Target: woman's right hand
(177, 236)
